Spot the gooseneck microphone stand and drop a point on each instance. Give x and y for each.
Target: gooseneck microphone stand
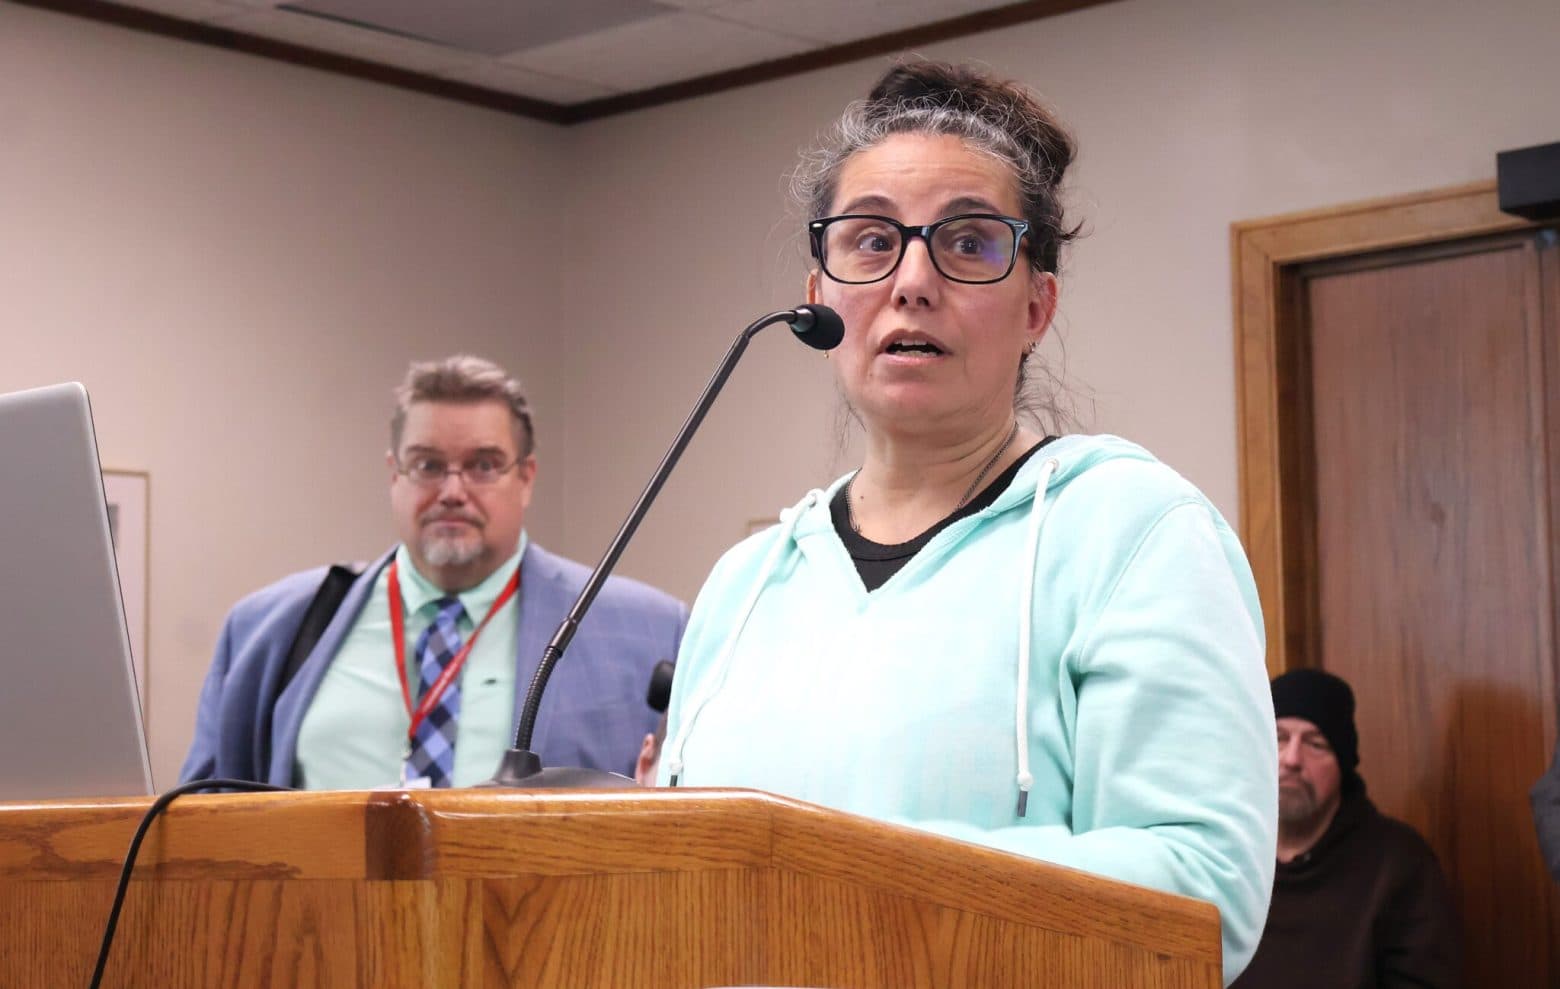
(818, 327)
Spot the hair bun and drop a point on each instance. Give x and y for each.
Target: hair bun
(1006, 106)
(930, 84)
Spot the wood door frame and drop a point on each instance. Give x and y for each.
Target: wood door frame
(1265, 255)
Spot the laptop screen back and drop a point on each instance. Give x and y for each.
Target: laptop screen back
(70, 714)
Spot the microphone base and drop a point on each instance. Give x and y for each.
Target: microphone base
(520, 769)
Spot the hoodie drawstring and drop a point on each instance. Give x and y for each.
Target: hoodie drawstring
(1037, 511)
(788, 519)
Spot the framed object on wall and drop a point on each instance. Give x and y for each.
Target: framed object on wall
(128, 493)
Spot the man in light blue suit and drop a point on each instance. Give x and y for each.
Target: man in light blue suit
(418, 678)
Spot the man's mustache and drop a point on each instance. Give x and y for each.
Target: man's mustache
(432, 517)
(1299, 781)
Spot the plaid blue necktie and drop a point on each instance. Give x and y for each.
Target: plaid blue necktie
(433, 746)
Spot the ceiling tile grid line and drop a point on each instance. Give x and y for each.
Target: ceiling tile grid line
(545, 58)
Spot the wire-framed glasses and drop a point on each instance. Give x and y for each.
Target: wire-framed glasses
(861, 248)
(428, 470)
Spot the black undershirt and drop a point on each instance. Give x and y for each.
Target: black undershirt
(877, 562)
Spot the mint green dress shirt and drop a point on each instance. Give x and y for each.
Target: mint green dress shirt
(354, 735)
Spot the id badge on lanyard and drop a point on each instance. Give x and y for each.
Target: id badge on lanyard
(435, 691)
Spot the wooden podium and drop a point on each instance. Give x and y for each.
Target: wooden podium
(641, 889)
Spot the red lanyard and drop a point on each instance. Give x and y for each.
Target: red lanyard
(398, 632)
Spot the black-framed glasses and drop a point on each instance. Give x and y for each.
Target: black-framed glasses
(427, 470)
(861, 248)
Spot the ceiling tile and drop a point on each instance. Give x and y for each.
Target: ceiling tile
(657, 51)
(344, 39)
(833, 22)
(483, 25)
(588, 48)
(523, 82)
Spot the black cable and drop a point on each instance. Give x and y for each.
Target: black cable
(157, 807)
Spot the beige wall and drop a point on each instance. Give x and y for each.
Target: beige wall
(238, 257)
(1190, 115)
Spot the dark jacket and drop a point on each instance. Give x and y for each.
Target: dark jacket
(1366, 908)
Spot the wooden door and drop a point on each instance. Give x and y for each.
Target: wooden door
(1425, 468)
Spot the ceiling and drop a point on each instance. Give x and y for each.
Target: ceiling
(566, 60)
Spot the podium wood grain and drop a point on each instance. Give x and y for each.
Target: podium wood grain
(633, 888)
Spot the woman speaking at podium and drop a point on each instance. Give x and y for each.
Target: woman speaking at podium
(1046, 645)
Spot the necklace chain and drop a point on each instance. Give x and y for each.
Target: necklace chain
(969, 492)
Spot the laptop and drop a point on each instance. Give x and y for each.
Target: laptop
(70, 713)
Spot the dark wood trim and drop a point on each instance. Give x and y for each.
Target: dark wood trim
(137, 19)
(1537, 245)
(1297, 462)
(150, 22)
(823, 58)
(1547, 246)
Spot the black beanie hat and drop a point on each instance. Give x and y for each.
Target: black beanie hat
(1326, 702)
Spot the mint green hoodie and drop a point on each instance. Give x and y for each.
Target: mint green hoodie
(1076, 678)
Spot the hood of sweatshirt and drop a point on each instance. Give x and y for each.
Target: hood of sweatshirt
(1067, 457)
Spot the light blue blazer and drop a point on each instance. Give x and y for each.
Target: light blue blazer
(593, 713)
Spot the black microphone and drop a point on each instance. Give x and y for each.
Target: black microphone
(817, 326)
(659, 694)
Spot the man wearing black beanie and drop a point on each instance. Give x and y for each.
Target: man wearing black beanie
(1358, 899)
